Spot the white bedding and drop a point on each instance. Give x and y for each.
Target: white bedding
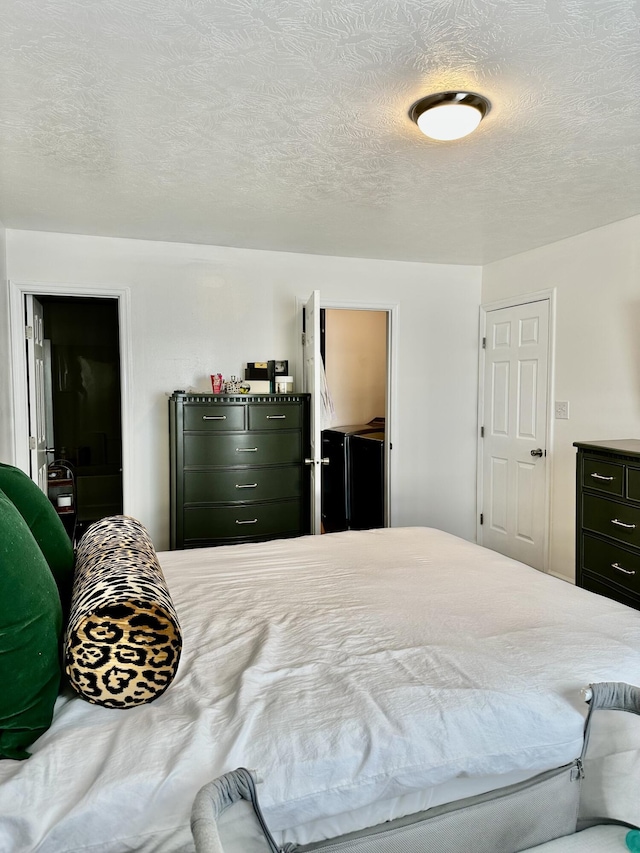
(352, 671)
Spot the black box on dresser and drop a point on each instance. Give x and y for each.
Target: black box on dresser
(608, 519)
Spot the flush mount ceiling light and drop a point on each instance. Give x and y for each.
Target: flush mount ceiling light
(449, 115)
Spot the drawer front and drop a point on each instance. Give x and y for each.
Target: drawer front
(615, 593)
(604, 476)
(213, 418)
(611, 563)
(243, 449)
(276, 416)
(633, 483)
(610, 518)
(226, 522)
(244, 484)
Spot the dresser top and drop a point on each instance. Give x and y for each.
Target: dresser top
(195, 397)
(625, 446)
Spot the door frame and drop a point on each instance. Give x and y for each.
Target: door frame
(548, 295)
(37, 397)
(392, 310)
(17, 291)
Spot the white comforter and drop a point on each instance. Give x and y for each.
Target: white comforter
(346, 669)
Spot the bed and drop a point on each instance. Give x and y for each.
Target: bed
(362, 675)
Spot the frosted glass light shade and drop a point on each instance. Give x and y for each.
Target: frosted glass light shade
(449, 121)
(449, 115)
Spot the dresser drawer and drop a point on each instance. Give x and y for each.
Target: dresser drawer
(276, 416)
(611, 518)
(213, 418)
(633, 483)
(272, 519)
(611, 563)
(615, 593)
(242, 485)
(604, 476)
(243, 449)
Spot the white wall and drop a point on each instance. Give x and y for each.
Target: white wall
(356, 364)
(597, 280)
(6, 406)
(198, 310)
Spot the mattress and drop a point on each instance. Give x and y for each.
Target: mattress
(362, 675)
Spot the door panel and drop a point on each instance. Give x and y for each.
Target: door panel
(527, 402)
(500, 397)
(499, 494)
(525, 520)
(515, 378)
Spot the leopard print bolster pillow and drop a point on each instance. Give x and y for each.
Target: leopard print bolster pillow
(123, 640)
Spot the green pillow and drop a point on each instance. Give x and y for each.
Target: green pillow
(30, 632)
(43, 521)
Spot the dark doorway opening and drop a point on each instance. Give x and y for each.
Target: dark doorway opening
(83, 408)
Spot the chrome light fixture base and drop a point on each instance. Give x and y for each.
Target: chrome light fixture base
(449, 99)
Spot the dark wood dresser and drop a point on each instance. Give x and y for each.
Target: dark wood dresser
(237, 468)
(608, 519)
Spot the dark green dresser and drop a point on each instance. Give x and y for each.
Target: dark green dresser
(237, 468)
(608, 519)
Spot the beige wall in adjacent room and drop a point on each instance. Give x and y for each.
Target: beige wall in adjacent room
(356, 363)
(197, 310)
(596, 277)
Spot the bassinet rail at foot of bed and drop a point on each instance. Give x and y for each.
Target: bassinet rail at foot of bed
(242, 827)
(507, 821)
(540, 814)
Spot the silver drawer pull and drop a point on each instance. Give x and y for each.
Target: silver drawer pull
(252, 521)
(214, 417)
(621, 569)
(622, 524)
(246, 449)
(601, 477)
(247, 486)
(276, 417)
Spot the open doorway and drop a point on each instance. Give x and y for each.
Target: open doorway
(81, 394)
(354, 348)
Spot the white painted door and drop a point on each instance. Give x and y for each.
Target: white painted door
(311, 355)
(514, 461)
(36, 382)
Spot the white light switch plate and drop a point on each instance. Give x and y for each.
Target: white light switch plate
(562, 411)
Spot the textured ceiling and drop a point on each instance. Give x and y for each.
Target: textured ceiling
(282, 124)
